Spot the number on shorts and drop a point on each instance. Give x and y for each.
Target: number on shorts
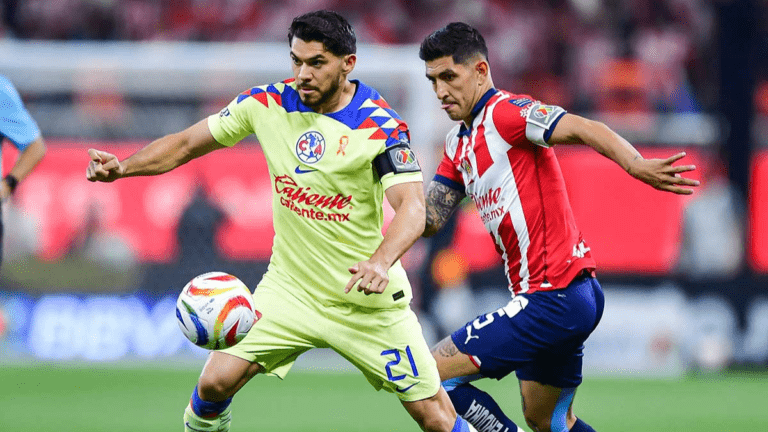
(396, 361)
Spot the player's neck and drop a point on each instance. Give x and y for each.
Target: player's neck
(480, 92)
(339, 100)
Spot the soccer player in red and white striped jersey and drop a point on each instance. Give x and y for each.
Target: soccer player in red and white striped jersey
(500, 156)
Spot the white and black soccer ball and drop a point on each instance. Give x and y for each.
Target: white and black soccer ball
(215, 310)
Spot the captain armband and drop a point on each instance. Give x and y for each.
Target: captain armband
(540, 121)
(397, 159)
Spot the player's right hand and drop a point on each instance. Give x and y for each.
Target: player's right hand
(104, 167)
(372, 276)
(663, 175)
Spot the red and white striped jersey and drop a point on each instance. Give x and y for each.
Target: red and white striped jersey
(503, 162)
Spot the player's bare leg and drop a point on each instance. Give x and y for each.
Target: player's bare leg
(539, 403)
(547, 408)
(223, 375)
(436, 414)
(476, 406)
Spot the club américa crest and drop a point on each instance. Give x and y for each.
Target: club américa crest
(310, 147)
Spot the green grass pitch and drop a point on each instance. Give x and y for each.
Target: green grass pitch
(50, 397)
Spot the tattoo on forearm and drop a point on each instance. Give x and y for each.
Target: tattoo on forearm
(446, 348)
(441, 202)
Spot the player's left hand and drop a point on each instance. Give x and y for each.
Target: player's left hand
(372, 276)
(663, 175)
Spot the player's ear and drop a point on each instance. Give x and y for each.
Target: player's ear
(481, 67)
(348, 63)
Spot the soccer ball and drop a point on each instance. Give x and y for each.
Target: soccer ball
(215, 310)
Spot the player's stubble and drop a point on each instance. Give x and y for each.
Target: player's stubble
(335, 86)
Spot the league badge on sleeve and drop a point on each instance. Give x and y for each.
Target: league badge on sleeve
(403, 160)
(543, 115)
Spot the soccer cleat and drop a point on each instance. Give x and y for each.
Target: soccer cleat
(195, 423)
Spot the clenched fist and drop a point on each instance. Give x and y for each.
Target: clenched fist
(104, 167)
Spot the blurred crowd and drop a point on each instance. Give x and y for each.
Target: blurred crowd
(606, 55)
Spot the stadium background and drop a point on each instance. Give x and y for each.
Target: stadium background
(91, 271)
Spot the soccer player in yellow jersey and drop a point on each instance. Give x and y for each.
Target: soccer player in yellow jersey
(334, 147)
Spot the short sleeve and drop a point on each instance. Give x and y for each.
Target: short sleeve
(448, 174)
(392, 179)
(233, 123)
(15, 122)
(402, 159)
(509, 120)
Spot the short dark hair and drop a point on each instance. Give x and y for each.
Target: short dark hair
(328, 27)
(459, 40)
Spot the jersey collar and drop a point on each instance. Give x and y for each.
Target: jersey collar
(464, 130)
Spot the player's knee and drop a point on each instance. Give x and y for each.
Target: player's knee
(437, 421)
(434, 414)
(214, 388)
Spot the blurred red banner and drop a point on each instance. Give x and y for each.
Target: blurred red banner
(630, 227)
(144, 211)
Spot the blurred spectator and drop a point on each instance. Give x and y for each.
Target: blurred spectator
(664, 47)
(623, 86)
(99, 245)
(713, 237)
(453, 304)
(100, 104)
(637, 55)
(139, 19)
(197, 231)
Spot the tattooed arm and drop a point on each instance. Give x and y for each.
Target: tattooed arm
(451, 362)
(441, 202)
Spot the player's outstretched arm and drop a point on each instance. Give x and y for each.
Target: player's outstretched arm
(407, 199)
(442, 201)
(159, 156)
(659, 173)
(27, 160)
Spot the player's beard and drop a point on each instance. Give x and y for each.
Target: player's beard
(324, 96)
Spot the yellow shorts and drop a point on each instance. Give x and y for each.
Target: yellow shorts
(387, 345)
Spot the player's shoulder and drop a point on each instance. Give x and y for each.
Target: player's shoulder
(3, 80)
(370, 97)
(7, 88)
(280, 94)
(511, 106)
(369, 113)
